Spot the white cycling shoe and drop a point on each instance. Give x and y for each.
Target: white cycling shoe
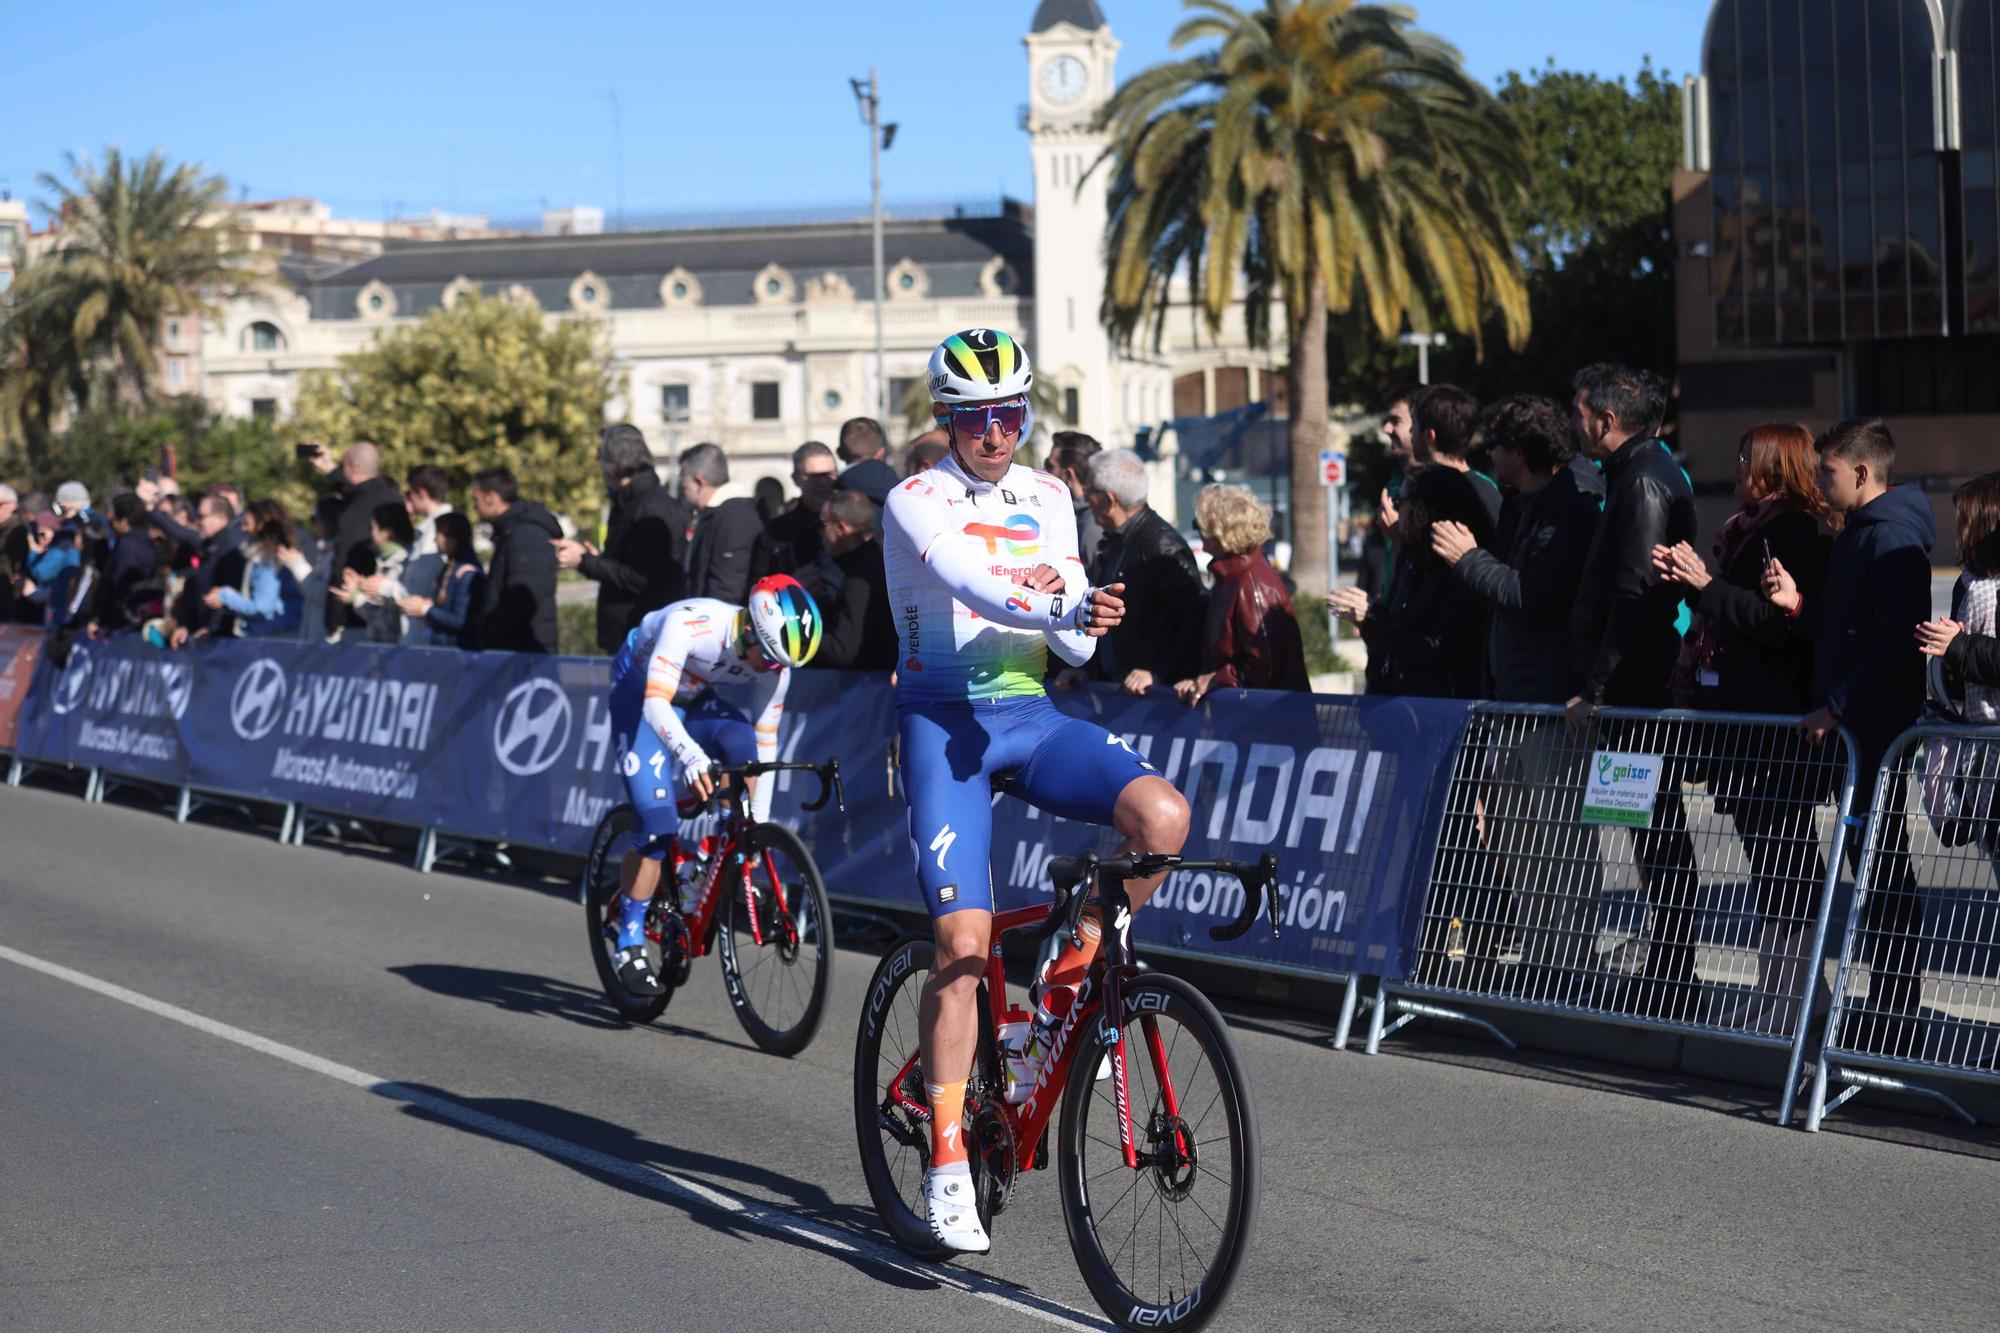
(951, 1210)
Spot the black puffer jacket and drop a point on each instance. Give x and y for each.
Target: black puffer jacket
(1866, 665)
(643, 566)
(1428, 635)
(517, 603)
(1622, 633)
(1528, 588)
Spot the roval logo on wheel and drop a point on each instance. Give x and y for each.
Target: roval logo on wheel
(532, 728)
(258, 700)
(75, 676)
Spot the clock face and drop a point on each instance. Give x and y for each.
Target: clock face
(1064, 80)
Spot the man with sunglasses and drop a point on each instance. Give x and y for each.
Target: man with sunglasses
(985, 579)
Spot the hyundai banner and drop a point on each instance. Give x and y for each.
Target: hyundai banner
(521, 749)
(20, 649)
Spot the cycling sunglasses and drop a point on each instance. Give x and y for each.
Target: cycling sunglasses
(975, 420)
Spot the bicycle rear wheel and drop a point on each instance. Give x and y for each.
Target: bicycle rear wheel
(1161, 1245)
(618, 833)
(777, 956)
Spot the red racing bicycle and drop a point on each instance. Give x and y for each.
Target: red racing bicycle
(1157, 1155)
(752, 885)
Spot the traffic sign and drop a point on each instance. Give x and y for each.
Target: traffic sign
(1332, 468)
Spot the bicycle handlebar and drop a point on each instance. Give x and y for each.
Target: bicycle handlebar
(1259, 879)
(827, 773)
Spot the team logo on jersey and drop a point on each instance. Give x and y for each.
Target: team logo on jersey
(1022, 534)
(1019, 604)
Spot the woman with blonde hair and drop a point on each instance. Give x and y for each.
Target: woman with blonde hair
(1252, 638)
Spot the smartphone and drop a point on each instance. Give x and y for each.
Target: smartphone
(1767, 552)
(306, 452)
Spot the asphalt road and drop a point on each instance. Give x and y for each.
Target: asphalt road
(249, 1086)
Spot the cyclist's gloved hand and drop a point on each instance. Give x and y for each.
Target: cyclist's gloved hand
(695, 763)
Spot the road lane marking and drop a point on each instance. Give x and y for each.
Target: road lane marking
(766, 1217)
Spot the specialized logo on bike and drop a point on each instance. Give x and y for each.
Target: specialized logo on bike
(258, 700)
(532, 728)
(1022, 534)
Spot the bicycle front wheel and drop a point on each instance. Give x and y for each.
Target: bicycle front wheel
(777, 942)
(1159, 1246)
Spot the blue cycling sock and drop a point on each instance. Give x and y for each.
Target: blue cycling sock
(632, 921)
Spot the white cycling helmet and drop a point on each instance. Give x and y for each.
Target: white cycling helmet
(977, 365)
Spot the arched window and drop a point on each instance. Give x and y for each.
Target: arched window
(263, 336)
(1827, 194)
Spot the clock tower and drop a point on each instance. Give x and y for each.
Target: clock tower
(1071, 58)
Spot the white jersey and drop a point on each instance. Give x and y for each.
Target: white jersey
(691, 648)
(956, 549)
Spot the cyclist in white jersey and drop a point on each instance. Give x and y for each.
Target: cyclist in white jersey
(985, 580)
(696, 682)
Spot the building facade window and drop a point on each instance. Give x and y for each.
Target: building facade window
(263, 409)
(764, 400)
(263, 336)
(173, 333)
(1071, 408)
(1827, 189)
(900, 389)
(175, 373)
(1979, 162)
(674, 404)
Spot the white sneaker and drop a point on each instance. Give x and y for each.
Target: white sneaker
(949, 1207)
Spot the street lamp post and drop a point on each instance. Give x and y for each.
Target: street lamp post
(869, 97)
(1423, 342)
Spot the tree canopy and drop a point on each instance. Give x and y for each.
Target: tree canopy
(1326, 156)
(480, 384)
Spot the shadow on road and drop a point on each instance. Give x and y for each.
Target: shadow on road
(859, 1244)
(526, 993)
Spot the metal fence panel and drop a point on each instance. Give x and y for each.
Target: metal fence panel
(1918, 987)
(1670, 870)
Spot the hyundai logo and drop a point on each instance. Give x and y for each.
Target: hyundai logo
(258, 699)
(177, 684)
(69, 688)
(532, 728)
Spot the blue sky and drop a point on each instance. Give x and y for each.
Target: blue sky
(503, 106)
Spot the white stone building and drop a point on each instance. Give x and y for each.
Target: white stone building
(761, 337)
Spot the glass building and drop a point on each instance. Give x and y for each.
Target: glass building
(1838, 225)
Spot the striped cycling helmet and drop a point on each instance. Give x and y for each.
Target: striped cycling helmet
(978, 365)
(785, 620)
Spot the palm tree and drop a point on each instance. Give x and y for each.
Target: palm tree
(136, 242)
(1331, 159)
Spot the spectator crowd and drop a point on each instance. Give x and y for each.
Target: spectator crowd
(381, 562)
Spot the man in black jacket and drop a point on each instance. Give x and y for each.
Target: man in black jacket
(725, 529)
(1624, 638)
(219, 561)
(1427, 636)
(517, 600)
(131, 574)
(860, 627)
(643, 565)
(1868, 676)
(361, 488)
(862, 446)
(1526, 583)
(1166, 608)
(793, 538)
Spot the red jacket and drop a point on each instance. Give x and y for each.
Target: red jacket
(1253, 638)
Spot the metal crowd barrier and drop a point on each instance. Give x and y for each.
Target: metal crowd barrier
(1918, 989)
(1666, 870)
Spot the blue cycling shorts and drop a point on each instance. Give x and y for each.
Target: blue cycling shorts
(652, 775)
(951, 752)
